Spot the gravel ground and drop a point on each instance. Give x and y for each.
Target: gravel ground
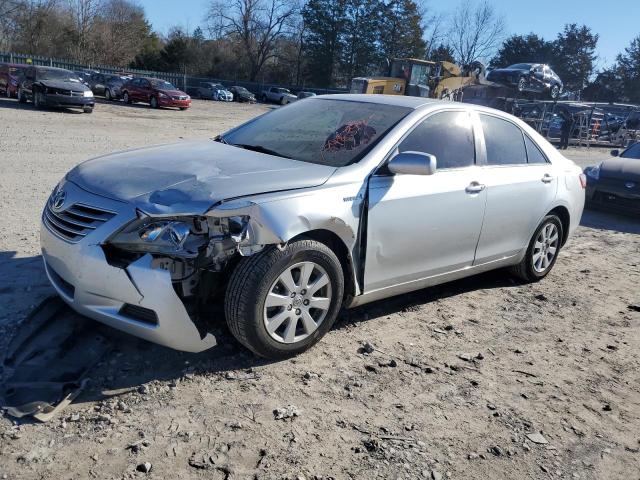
(450, 382)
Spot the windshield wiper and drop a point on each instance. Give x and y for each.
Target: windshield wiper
(258, 148)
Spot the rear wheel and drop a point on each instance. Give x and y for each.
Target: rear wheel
(522, 84)
(87, 109)
(107, 95)
(282, 302)
(542, 252)
(126, 98)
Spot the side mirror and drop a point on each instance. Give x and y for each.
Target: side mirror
(615, 153)
(413, 163)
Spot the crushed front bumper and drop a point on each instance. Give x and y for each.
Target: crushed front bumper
(55, 100)
(138, 299)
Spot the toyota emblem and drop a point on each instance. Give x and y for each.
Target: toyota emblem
(57, 202)
(630, 185)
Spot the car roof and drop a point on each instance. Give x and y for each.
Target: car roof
(397, 100)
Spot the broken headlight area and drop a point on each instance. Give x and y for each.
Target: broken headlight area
(184, 246)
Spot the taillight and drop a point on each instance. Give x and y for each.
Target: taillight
(583, 180)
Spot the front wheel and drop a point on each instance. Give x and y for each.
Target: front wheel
(153, 103)
(22, 98)
(542, 252)
(87, 109)
(554, 92)
(38, 100)
(126, 98)
(107, 95)
(282, 302)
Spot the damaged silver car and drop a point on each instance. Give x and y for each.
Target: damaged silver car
(332, 202)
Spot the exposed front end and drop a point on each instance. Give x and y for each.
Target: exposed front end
(134, 294)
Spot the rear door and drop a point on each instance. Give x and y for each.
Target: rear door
(521, 188)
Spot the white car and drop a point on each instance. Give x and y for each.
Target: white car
(332, 202)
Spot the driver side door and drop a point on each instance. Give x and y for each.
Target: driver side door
(421, 226)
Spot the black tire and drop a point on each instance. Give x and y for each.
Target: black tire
(525, 269)
(107, 95)
(264, 98)
(153, 102)
(554, 92)
(37, 100)
(127, 98)
(22, 98)
(251, 282)
(183, 108)
(283, 101)
(87, 109)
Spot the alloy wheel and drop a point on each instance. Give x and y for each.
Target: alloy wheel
(545, 247)
(297, 303)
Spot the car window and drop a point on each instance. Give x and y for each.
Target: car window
(448, 136)
(504, 140)
(632, 152)
(322, 131)
(534, 154)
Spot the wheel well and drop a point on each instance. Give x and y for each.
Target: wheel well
(335, 243)
(565, 219)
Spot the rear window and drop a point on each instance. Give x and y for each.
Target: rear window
(504, 141)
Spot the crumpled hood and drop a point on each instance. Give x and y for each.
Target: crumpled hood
(190, 177)
(64, 85)
(621, 168)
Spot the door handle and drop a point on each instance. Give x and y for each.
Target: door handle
(475, 187)
(547, 178)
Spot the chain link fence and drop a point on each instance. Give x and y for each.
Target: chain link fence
(183, 81)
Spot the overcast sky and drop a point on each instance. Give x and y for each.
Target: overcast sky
(616, 21)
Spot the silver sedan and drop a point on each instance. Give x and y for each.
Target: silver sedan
(331, 202)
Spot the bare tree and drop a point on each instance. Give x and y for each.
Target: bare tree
(256, 24)
(476, 31)
(84, 14)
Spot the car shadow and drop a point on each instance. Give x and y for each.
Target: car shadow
(132, 362)
(13, 103)
(612, 221)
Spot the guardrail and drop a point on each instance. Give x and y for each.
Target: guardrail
(183, 81)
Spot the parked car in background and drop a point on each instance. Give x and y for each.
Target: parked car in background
(615, 183)
(335, 200)
(108, 85)
(278, 95)
(213, 91)
(55, 87)
(241, 94)
(11, 74)
(85, 75)
(156, 92)
(302, 95)
(528, 77)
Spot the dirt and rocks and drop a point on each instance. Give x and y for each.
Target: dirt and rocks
(482, 378)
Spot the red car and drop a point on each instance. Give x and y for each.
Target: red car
(10, 77)
(156, 92)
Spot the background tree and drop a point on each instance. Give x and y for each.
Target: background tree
(401, 30)
(442, 53)
(575, 56)
(476, 31)
(524, 48)
(256, 24)
(325, 22)
(628, 71)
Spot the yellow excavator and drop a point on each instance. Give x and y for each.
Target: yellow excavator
(422, 78)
